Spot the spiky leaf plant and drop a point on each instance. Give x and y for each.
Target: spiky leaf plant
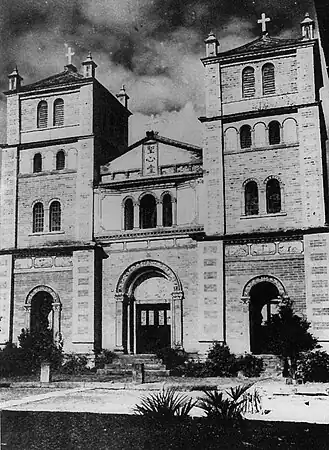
(166, 405)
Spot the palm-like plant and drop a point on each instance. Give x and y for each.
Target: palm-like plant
(166, 405)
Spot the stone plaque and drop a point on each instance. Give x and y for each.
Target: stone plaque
(23, 263)
(236, 250)
(291, 247)
(43, 262)
(267, 248)
(63, 261)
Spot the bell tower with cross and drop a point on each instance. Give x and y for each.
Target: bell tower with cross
(263, 21)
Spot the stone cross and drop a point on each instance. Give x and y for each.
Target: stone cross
(152, 123)
(263, 21)
(69, 55)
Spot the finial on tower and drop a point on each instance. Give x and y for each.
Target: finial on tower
(212, 45)
(89, 67)
(15, 80)
(123, 97)
(307, 26)
(263, 20)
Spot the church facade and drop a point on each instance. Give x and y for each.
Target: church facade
(163, 243)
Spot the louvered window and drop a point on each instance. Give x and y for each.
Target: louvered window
(273, 196)
(60, 160)
(58, 112)
(251, 198)
(37, 163)
(248, 82)
(42, 114)
(245, 136)
(274, 133)
(38, 218)
(55, 216)
(268, 79)
(167, 210)
(129, 214)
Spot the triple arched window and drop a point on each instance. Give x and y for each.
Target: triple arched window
(148, 212)
(273, 194)
(268, 80)
(55, 217)
(58, 113)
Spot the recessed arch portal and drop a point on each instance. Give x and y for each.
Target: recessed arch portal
(148, 308)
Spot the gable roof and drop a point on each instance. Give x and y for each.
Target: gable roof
(153, 135)
(69, 76)
(264, 42)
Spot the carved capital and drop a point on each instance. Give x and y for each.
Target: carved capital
(57, 306)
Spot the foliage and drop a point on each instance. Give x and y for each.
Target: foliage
(220, 361)
(313, 366)
(227, 409)
(14, 361)
(250, 365)
(165, 405)
(253, 402)
(75, 364)
(105, 356)
(40, 346)
(196, 368)
(173, 358)
(288, 335)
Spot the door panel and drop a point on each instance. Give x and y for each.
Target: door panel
(152, 327)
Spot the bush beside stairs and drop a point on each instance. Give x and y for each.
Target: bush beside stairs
(123, 364)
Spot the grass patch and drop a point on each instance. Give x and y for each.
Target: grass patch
(25, 430)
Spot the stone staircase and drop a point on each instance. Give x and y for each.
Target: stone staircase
(273, 365)
(123, 365)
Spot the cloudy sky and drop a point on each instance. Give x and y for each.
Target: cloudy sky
(152, 46)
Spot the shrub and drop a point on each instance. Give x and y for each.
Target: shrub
(227, 409)
(313, 366)
(194, 368)
(75, 364)
(165, 405)
(173, 358)
(221, 362)
(105, 356)
(14, 361)
(250, 365)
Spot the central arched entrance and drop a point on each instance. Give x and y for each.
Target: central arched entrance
(148, 308)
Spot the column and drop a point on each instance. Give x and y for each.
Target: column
(57, 307)
(246, 322)
(174, 211)
(27, 308)
(159, 213)
(136, 215)
(118, 322)
(177, 328)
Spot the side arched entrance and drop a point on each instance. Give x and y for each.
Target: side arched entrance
(148, 308)
(263, 295)
(43, 310)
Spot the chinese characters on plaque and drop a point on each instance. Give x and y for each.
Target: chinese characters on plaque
(150, 159)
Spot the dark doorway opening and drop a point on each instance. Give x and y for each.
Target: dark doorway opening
(152, 327)
(264, 298)
(41, 312)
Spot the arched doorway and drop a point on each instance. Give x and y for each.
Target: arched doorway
(263, 296)
(43, 311)
(148, 308)
(263, 303)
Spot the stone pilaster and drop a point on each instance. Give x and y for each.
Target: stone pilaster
(5, 297)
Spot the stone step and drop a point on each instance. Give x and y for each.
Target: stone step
(122, 362)
(147, 365)
(128, 371)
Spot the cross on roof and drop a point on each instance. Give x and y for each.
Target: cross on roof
(153, 122)
(69, 54)
(263, 21)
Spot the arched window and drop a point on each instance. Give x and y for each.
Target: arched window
(268, 79)
(274, 133)
(128, 214)
(42, 114)
(60, 160)
(245, 136)
(55, 216)
(251, 198)
(38, 218)
(273, 196)
(148, 212)
(248, 82)
(58, 117)
(167, 211)
(37, 163)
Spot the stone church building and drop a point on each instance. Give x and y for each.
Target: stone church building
(163, 243)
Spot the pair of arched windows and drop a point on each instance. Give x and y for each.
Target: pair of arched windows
(274, 134)
(273, 197)
(60, 161)
(248, 80)
(58, 113)
(148, 212)
(55, 218)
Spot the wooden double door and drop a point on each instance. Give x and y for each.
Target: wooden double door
(153, 327)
